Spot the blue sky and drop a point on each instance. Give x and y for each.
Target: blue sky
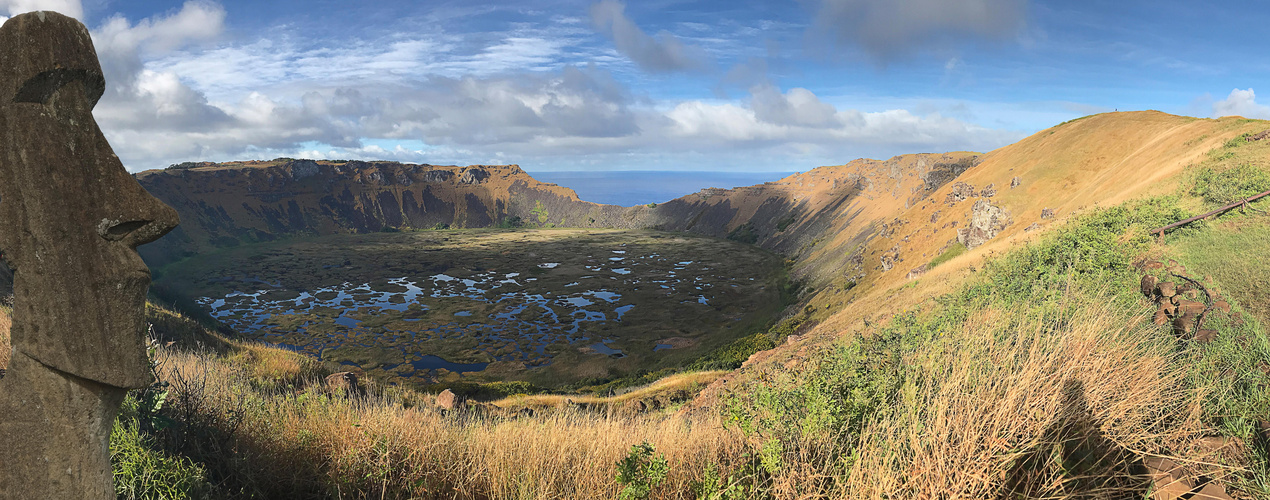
(654, 85)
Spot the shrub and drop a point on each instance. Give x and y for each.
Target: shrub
(1220, 187)
(511, 222)
(744, 233)
(783, 224)
(539, 212)
(641, 471)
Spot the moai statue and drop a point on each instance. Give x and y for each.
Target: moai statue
(71, 218)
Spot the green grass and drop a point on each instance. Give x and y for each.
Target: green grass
(1225, 250)
(1220, 187)
(142, 471)
(953, 251)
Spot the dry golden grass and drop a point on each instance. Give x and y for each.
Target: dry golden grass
(266, 362)
(679, 381)
(312, 443)
(1044, 411)
(6, 322)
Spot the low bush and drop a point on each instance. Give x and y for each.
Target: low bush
(1223, 186)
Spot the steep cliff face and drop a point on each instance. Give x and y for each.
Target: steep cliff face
(229, 204)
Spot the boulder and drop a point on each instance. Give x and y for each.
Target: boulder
(986, 222)
(988, 191)
(1047, 213)
(1148, 285)
(1161, 317)
(448, 400)
(1015, 182)
(634, 406)
(1221, 306)
(1166, 289)
(1191, 307)
(1170, 481)
(1205, 335)
(1183, 324)
(344, 382)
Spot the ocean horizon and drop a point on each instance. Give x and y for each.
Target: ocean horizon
(640, 187)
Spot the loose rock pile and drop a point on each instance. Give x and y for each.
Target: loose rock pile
(1184, 302)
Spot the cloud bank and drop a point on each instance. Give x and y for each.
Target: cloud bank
(889, 29)
(1241, 103)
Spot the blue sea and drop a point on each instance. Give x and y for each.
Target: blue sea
(628, 188)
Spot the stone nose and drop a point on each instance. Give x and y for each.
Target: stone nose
(146, 220)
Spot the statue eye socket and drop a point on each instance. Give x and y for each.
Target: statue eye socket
(39, 88)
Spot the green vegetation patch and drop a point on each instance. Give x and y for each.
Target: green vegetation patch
(954, 250)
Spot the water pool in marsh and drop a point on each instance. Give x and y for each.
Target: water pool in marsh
(548, 305)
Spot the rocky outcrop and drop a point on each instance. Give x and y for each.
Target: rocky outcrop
(986, 222)
(960, 192)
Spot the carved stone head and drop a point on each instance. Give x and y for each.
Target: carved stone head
(71, 216)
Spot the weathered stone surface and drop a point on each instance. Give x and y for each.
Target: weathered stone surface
(71, 218)
(986, 221)
(345, 383)
(473, 176)
(1170, 479)
(1015, 182)
(917, 272)
(72, 215)
(988, 191)
(1191, 306)
(1148, 285)
(1167, 289)
(1183, 324)
(959, 193)
(1047, 213)
(448, 400)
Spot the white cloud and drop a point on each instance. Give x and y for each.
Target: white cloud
(887, 29)
(659, 54)
(1241, 103)
(72, 8)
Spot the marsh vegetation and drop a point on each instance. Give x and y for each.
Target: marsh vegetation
(547, 306)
